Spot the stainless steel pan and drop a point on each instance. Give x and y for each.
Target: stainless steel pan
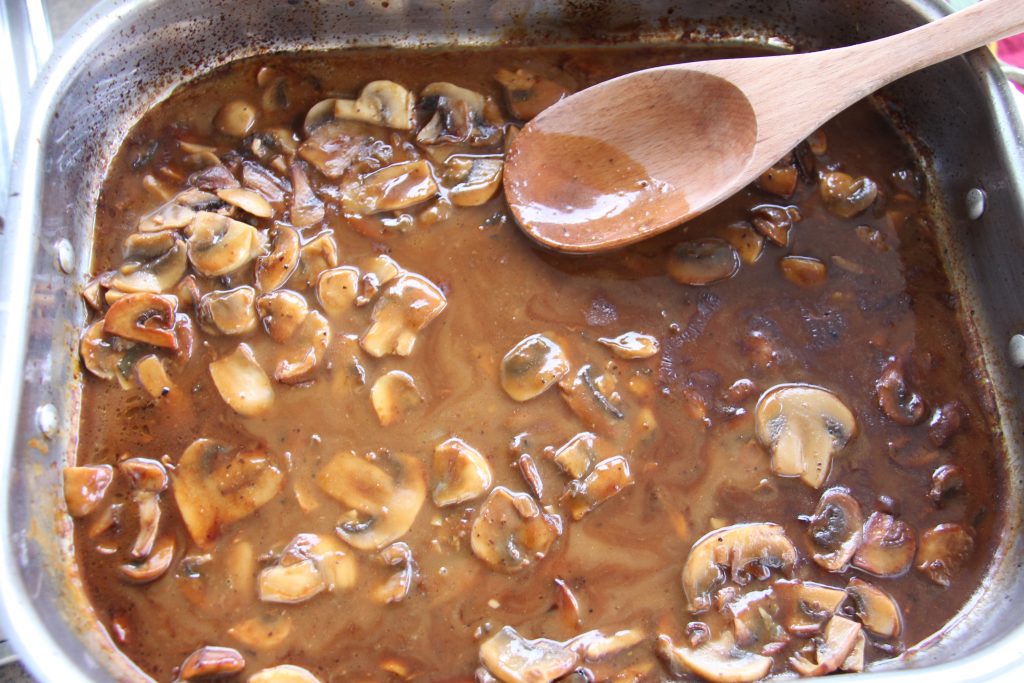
(128, 54)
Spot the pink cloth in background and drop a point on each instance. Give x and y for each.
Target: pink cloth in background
(1011, 51)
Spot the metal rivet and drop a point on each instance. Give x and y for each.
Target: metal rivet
(46, 419)
(975, 203)
(1017, 350)
(65, 255)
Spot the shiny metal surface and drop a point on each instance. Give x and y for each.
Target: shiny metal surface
(130, 53)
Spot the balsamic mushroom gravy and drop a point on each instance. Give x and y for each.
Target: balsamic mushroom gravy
(343, 421)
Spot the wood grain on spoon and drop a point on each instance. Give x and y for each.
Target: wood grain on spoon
(642, 153)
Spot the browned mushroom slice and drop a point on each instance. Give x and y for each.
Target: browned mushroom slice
(716, 660)
(143, 317)
(753, 619)
(805, 607)
(888, 546)
(527, 94)
(632, 345)
(577, 455)
(145, 474)
(532, 367)
(236, 118)
(316, 256)
(334, 146)
(405, 307)
(479, 183)
(740, 548)
(702, 262)
(262, 632)
(282, 313)
(85, 487)
(460, 473)
(393, 395)
(253, 203)
(178, 212)
(211, 662)
(274, 269)
(152, 376)
(242, 383)
(845, 196)
(944, 551)
(216, 485)
(218, 245)
(154, 270)
(290, 583)
(337, 567)
(803, 271)
(391, 188)
(898, 402)
(876, 609)
(155, 565)
(283, 673)
(98, 353)
(835, 529)
(336, 290)
(306, 208)
(397, 586)
(946, 479)
(747, 242)
(230, 312)
(780, 179)
(803, 426)
(854, 662)
(831, 650)
(514, 659)
(313, 337)
(607, 479)
(383, 103)
(386, 494)
(592, 399)
(511, 532)
(774, 222)
(149, 523)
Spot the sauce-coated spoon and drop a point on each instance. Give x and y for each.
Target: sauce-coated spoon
(634, 156)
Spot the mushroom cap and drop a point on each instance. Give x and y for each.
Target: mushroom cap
(218, 245)
(230, 312)
(704, 261)
(514, 659)
(242, 383)
(460, 473)
(803, 426)
(510, 531)
(143, 317)
(943, 552)
(274, 269)
(835, 529)
(211, 662)
(155, 565)
(292, 583)
(98, 353)
(717, 660)
(282, 313)
(875, 608)
(734, 547)
(888, 546)
(805, 606)
(480, 183)
(393, 396)
(384, 103)
(405, 307)
(392, 188)
(153, 272)
(533, 366)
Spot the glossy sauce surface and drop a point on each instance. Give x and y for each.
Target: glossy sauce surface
(866, 315)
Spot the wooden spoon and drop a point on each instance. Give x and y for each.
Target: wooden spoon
(634, 156)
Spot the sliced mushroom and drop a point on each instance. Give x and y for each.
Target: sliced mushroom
(845, 196)
(267, 184)
(632, 345)
(393, 395)
(242, 383)
(274, 269)
(740, 548)
(405, 307)
(480, 182)
(152, 376)
(460, 115)
(263, 632)
(334, 146)
(283, 673)
(717, 660)
(747, 242)
(236, 118)
(607, 479)
(774, 222)
(780, 179)
(898, 402)
(388, 494)
(592, 399)
(253, 203)
(291, 583)
(391, 188)
(178, 212)
(336, 290)
(230, 312)
(888, 547)
(532, 367)
(145, 474)
(854, 662)
(143, 317)
(155, 565)
(384, 103)
(315, 257)
(753, 619)
(98, 353)
(397, 586)
(577, 455)
(282, 313)
(85, 487)
(804, 607)
(153, 270)
(511, 532)
(306, 208)
(313, 338)
(835, 529)
(149, 523)
(876, 609)
(832, 649)
(216, 485)
(703, 262)
(946, 479)
(514, 659)
(218, 245)
(944, 551)
(528, 94)
(460, 473)
(803, 426)
(211, 662)
(803, 271)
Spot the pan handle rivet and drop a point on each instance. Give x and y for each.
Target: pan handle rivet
(975, 203)
(1017, 350)
(65, 256)
(46, 419)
